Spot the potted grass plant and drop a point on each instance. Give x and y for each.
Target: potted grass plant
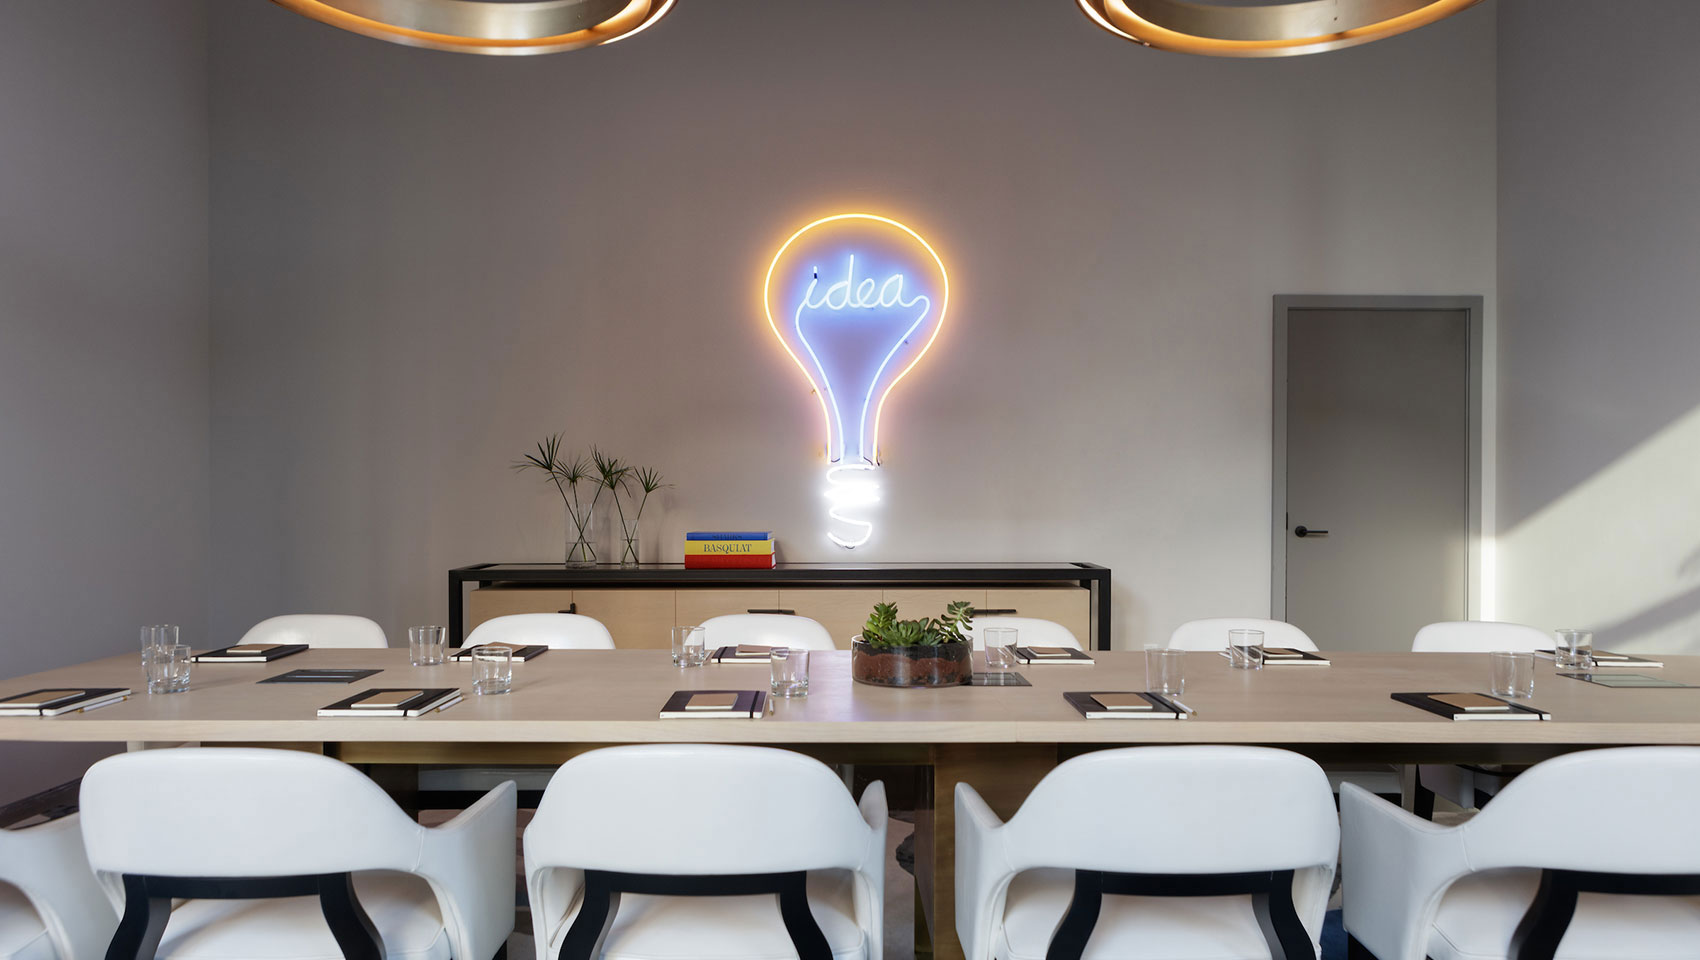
(929, 652)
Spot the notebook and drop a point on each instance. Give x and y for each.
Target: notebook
(250, 653)
(743, 653)
(1125, 705)
(1288, 657)
(1605, 658)
(54, 701)
(393, 702)
(1032, 655)
(714, 705)
(1626, 680)
(322, 675)
(1471, 706)
(528, 652)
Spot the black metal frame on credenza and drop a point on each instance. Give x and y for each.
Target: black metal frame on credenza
(1091, 576)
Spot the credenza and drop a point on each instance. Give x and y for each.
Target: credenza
(639, 604)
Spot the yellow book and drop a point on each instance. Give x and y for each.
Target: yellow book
(729, 548)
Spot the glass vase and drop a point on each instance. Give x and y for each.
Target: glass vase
(629, 550)
(581, 545)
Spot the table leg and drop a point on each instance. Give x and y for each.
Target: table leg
(1004, 774)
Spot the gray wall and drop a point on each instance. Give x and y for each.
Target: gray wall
(103, 337)
(425, 262)
(1599, 255)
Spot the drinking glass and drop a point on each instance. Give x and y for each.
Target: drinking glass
(493, 669)
(168, 668)
(690, 646)
(156, 636)
(425, 646)
(1000, 649)
(1245, 649)
(790, 667)
(1163, 669)
(1513, 673)
(1574, 649)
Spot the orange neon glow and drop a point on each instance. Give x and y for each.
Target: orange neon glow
(1116, 17)
(767, 308)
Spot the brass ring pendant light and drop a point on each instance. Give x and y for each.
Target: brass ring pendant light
(1266, 30)
(488, 26)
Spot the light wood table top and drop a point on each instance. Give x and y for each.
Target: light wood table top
(613, 697)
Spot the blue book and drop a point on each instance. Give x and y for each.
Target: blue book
(730, 535)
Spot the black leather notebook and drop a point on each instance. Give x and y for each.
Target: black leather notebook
(419, 701)
(53, 701)
(1032, 655)
(322, 675)
(1471, 706)
(530, 651)
(715, 705)
(250, 653)
(1124, 705)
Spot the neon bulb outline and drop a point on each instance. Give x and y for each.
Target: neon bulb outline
(944, 310)
(861, 300)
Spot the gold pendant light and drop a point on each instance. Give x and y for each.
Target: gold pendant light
(488, 26)
(1265, 30)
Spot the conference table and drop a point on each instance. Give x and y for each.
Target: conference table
(1001, 739)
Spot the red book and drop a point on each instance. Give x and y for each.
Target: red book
(722, 562)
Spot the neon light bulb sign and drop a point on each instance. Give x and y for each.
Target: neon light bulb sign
(856, 299)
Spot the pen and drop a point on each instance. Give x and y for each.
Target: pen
(1183, 706)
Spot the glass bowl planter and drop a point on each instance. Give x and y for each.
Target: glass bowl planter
(943, 665)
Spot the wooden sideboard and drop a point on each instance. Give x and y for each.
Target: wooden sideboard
(640, 604)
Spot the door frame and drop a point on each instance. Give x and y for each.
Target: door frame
(1284, 304)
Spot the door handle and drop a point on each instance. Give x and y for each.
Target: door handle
(1303, 531)
(997, 612)
(571, 608)
(780, 610)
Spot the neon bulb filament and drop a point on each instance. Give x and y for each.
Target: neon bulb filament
(851, 487)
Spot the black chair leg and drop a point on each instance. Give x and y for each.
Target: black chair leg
(805, 933)
(595, 918)
(353, 929)
(1355, 950)
(1068, 942)
(143, 924)
(1542, 927)
(1279, 920)
(1422, 801)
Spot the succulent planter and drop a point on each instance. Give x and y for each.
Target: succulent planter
(941, 665)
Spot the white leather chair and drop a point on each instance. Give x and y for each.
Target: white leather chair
(318, 630)
(51, 908)
(1479, 636)
(1219, 852)
(675, 852)
(558, 631)
(344, 872)
(1030, 632)
(1212, 634)
(1503, 884)
(1470, 786)
(767, 629)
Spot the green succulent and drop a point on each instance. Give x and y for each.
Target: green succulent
(883, 629)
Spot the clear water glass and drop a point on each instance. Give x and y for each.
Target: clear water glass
(493, 669)
(1574, 649)
(690, 646)
(1245, 649)
(1164, 669)
(425, 646)
(790, 667)
(1513, 674)
(1000, 648)
(168, 668)
(156, 636)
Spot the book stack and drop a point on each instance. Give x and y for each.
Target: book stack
(729, 550)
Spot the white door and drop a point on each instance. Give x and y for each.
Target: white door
(1378, 509)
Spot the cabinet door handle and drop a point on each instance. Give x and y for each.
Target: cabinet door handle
(571, 608)
(780, 611)
(997, 612)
